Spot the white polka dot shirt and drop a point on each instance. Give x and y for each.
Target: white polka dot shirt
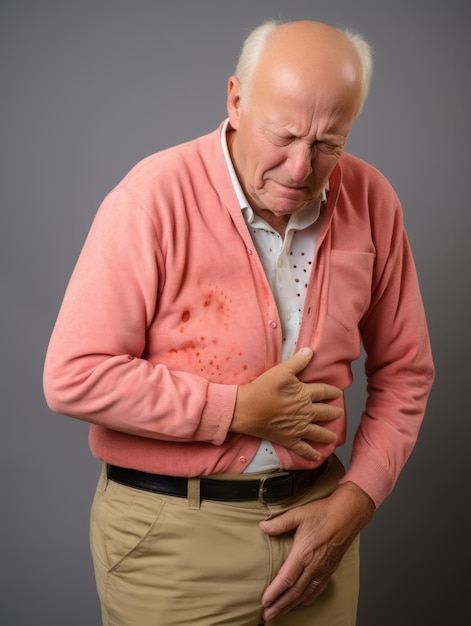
(287, 263)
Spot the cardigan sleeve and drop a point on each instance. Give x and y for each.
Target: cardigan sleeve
(95, 368)
(398, 366)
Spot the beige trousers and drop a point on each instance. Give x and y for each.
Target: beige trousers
(159, 562)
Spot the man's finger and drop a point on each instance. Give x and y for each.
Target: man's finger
(305, 450)
(318, 434)
(320, 392)
(298, 362)
(324, 412)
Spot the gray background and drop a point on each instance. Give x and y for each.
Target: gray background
(87, 89)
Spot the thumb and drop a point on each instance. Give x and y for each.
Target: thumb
(279, 524)
(298, 362)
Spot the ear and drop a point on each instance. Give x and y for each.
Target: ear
(233, 101)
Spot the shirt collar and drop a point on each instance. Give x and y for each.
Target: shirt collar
(299, 220)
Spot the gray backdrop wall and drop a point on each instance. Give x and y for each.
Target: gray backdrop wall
(90, 87)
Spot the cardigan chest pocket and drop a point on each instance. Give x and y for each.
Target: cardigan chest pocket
(349, 289)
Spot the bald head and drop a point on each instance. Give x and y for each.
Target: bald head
(295, 97)
(307, 51)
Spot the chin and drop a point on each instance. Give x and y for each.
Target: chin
(289, 207)
(280, 206)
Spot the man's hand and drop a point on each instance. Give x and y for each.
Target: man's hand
(279, 407)
(323, 531)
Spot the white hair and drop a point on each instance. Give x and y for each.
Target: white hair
(365, 54)
(250, 55)
(256, 40)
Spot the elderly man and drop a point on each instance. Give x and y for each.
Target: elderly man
(207, 334)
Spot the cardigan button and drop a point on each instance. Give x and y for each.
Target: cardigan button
(272, 323)
(243, 460)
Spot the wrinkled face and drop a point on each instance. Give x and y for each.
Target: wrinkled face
(288, 139)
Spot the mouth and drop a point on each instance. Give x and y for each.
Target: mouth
(291, 191)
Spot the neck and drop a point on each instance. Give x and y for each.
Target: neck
(277, 222)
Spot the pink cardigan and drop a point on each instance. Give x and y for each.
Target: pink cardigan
(168, 310)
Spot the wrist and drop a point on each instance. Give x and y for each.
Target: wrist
(357, 501)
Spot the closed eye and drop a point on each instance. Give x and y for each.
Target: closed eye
(322, 146)
(328, 148)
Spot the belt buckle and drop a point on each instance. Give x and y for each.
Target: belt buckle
(262, 489)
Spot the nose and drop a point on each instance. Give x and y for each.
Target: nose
(299, 161)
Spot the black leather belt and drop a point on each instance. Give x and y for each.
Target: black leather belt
(271, 488)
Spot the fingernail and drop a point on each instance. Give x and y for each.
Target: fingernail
(305, 351)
